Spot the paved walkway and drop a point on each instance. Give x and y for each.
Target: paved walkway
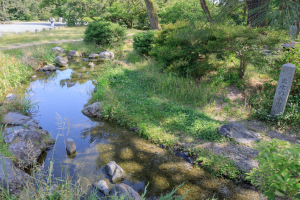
(37, 43)
(22, 27)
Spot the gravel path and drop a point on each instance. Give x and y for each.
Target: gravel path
(21, 27)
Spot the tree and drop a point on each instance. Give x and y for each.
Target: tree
(205, 9)
(153, 18)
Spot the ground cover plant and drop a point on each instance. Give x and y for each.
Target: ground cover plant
(43, 36)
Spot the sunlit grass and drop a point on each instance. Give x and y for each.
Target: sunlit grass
(43, 36)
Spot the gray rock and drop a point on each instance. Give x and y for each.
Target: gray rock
(125, 191)
(70, 84)
(114, 171)
(11, 97)
(47, 73)
(71, 147)
(94, 55)
(34, 76)
(91, 65)
(61, 61)
(53, 188)
(102, 186)
(15, 118)
(239, 133)
(93, 110)
(85, 59)
(58, 50)
(74, 53)
(107, 55)
(83, 68)
(95, 89)
(49, 68)
(15, 177)
(25, 152)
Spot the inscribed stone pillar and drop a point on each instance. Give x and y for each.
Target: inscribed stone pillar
(283, 88)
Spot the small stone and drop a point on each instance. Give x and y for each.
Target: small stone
(114, 171)
(107, 55)
(83, 68)
(93, 55)
(93, 110)
(163, 146)
(102, 186)
(71, 147)
(91, 64)
(11, 97)
(85, 59)
(34, 76)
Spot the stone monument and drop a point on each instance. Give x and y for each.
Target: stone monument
(283, 88)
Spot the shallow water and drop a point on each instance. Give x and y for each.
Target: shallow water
(99, 141)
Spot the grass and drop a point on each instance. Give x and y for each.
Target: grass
(12, 73)
(43, 36)
(3, 146)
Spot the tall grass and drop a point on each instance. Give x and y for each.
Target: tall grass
(160, 105)
(12, 73)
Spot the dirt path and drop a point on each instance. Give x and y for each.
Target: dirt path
(37, 43)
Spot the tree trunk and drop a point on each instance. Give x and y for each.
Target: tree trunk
(3, 7)
(205, 9)
(243, 67)
(257, 15)
(153, 18)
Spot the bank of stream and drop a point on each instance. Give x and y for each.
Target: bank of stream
(64, 93)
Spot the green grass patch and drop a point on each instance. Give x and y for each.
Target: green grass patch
(159, 105)
(3, 147)
(43, 36)
(12, 73)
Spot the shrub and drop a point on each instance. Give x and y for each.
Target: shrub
(185, 48)
(278, 172)
(105, 33)
(142, 42)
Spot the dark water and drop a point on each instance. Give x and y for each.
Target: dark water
(99, 142)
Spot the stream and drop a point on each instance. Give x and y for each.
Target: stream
(99, 141)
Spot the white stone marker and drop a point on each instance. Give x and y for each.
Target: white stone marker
(283, 88)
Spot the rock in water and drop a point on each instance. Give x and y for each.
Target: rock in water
(93, 55)
(11, 97)
(70, 84)
(13, 177)
(93, 110)
(107, 55)
(102, 186)
(61, 61)
(239, 133)
(125, 191)
(58, 50)
(91, 65)
(49, 68)
(74, 53)
(71, 147)
(114, 171)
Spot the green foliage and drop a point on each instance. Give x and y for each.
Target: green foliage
(142, 42)
(185, 48)
(105, 33)
(278, 172)
(182, 10)
(218, 165)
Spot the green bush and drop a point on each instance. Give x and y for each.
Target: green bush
(278, 172)
(105, 33)
(185, 48)
(142, 42)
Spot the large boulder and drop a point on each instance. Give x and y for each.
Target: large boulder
(26, 139)
(93, 110)
(102, 186)
(114, 171)
(58, 50)
(61, 61)
(74, 53)
(125, 191)
(239, 133)
(107, 55)
(12, 176)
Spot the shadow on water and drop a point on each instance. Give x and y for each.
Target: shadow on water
(99, 142)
